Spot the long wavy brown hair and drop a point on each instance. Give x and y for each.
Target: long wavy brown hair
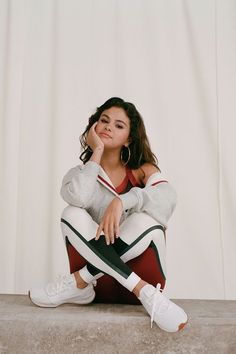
(140, 150)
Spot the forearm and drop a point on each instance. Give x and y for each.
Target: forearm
(159, 201)
(97, 155)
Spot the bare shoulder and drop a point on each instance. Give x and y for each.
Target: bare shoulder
(144, 172)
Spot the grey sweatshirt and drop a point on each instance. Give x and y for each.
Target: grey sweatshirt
(89, 187)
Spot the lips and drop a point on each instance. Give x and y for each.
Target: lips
(105, 134)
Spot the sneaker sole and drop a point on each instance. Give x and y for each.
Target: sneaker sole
(182, 325)
(64, 303)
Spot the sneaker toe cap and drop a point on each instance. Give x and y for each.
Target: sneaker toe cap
(39, 297)
(174, 320)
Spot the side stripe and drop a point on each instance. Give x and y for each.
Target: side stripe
(99, 255)
(107, 184)
(140, 237)
(158, 258)
(155, 183)
(152, 244)
(125, 247)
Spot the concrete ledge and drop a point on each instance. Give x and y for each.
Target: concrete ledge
(113, 329)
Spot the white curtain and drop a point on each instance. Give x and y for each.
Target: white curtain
(175, 60)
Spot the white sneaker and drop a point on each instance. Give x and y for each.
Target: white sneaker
(63, 291)
(167, 315)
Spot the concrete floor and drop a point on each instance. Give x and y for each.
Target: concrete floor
(113, 329)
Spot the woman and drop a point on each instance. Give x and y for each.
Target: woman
(118, 205)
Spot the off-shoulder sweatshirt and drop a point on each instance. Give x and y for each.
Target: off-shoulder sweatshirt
(88, 186)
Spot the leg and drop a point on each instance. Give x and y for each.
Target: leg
(165, 313)
(137, 232)
(80, 229)
(97, 253)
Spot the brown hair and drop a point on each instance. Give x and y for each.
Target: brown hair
(140, 151)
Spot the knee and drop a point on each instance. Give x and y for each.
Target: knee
(158, 236)
(142, 220)
(71, 213)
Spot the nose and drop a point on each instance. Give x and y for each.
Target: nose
(107, 127)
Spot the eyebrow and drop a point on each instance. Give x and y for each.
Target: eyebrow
(117, 120)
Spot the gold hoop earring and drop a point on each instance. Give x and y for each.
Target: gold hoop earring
(121, 156)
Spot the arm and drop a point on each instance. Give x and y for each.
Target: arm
(79, 184)
(158, 198)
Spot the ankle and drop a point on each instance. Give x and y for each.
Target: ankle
(81, 284)
(138, 287)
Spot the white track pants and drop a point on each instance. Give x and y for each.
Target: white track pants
(137, 232)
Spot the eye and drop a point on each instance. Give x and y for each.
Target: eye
(103, 120)
(120, 126)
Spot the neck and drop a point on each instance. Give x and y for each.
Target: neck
(110, 161)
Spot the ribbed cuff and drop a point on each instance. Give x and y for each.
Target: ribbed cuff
(85, 275)
(132, 281)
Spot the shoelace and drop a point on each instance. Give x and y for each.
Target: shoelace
(60, 284)
(164, 302)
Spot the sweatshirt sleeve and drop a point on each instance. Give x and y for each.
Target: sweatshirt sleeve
(158, 198)
(79, 184)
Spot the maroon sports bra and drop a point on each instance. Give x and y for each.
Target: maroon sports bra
(128, 182)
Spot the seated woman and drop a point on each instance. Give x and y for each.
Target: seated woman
(147, 265)
(109, 228)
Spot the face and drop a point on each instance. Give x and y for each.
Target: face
(116, 124)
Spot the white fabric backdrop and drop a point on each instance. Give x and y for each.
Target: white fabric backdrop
(175, 60)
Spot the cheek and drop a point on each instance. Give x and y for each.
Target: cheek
(126, 135)
(98, 127)
(123, 137)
